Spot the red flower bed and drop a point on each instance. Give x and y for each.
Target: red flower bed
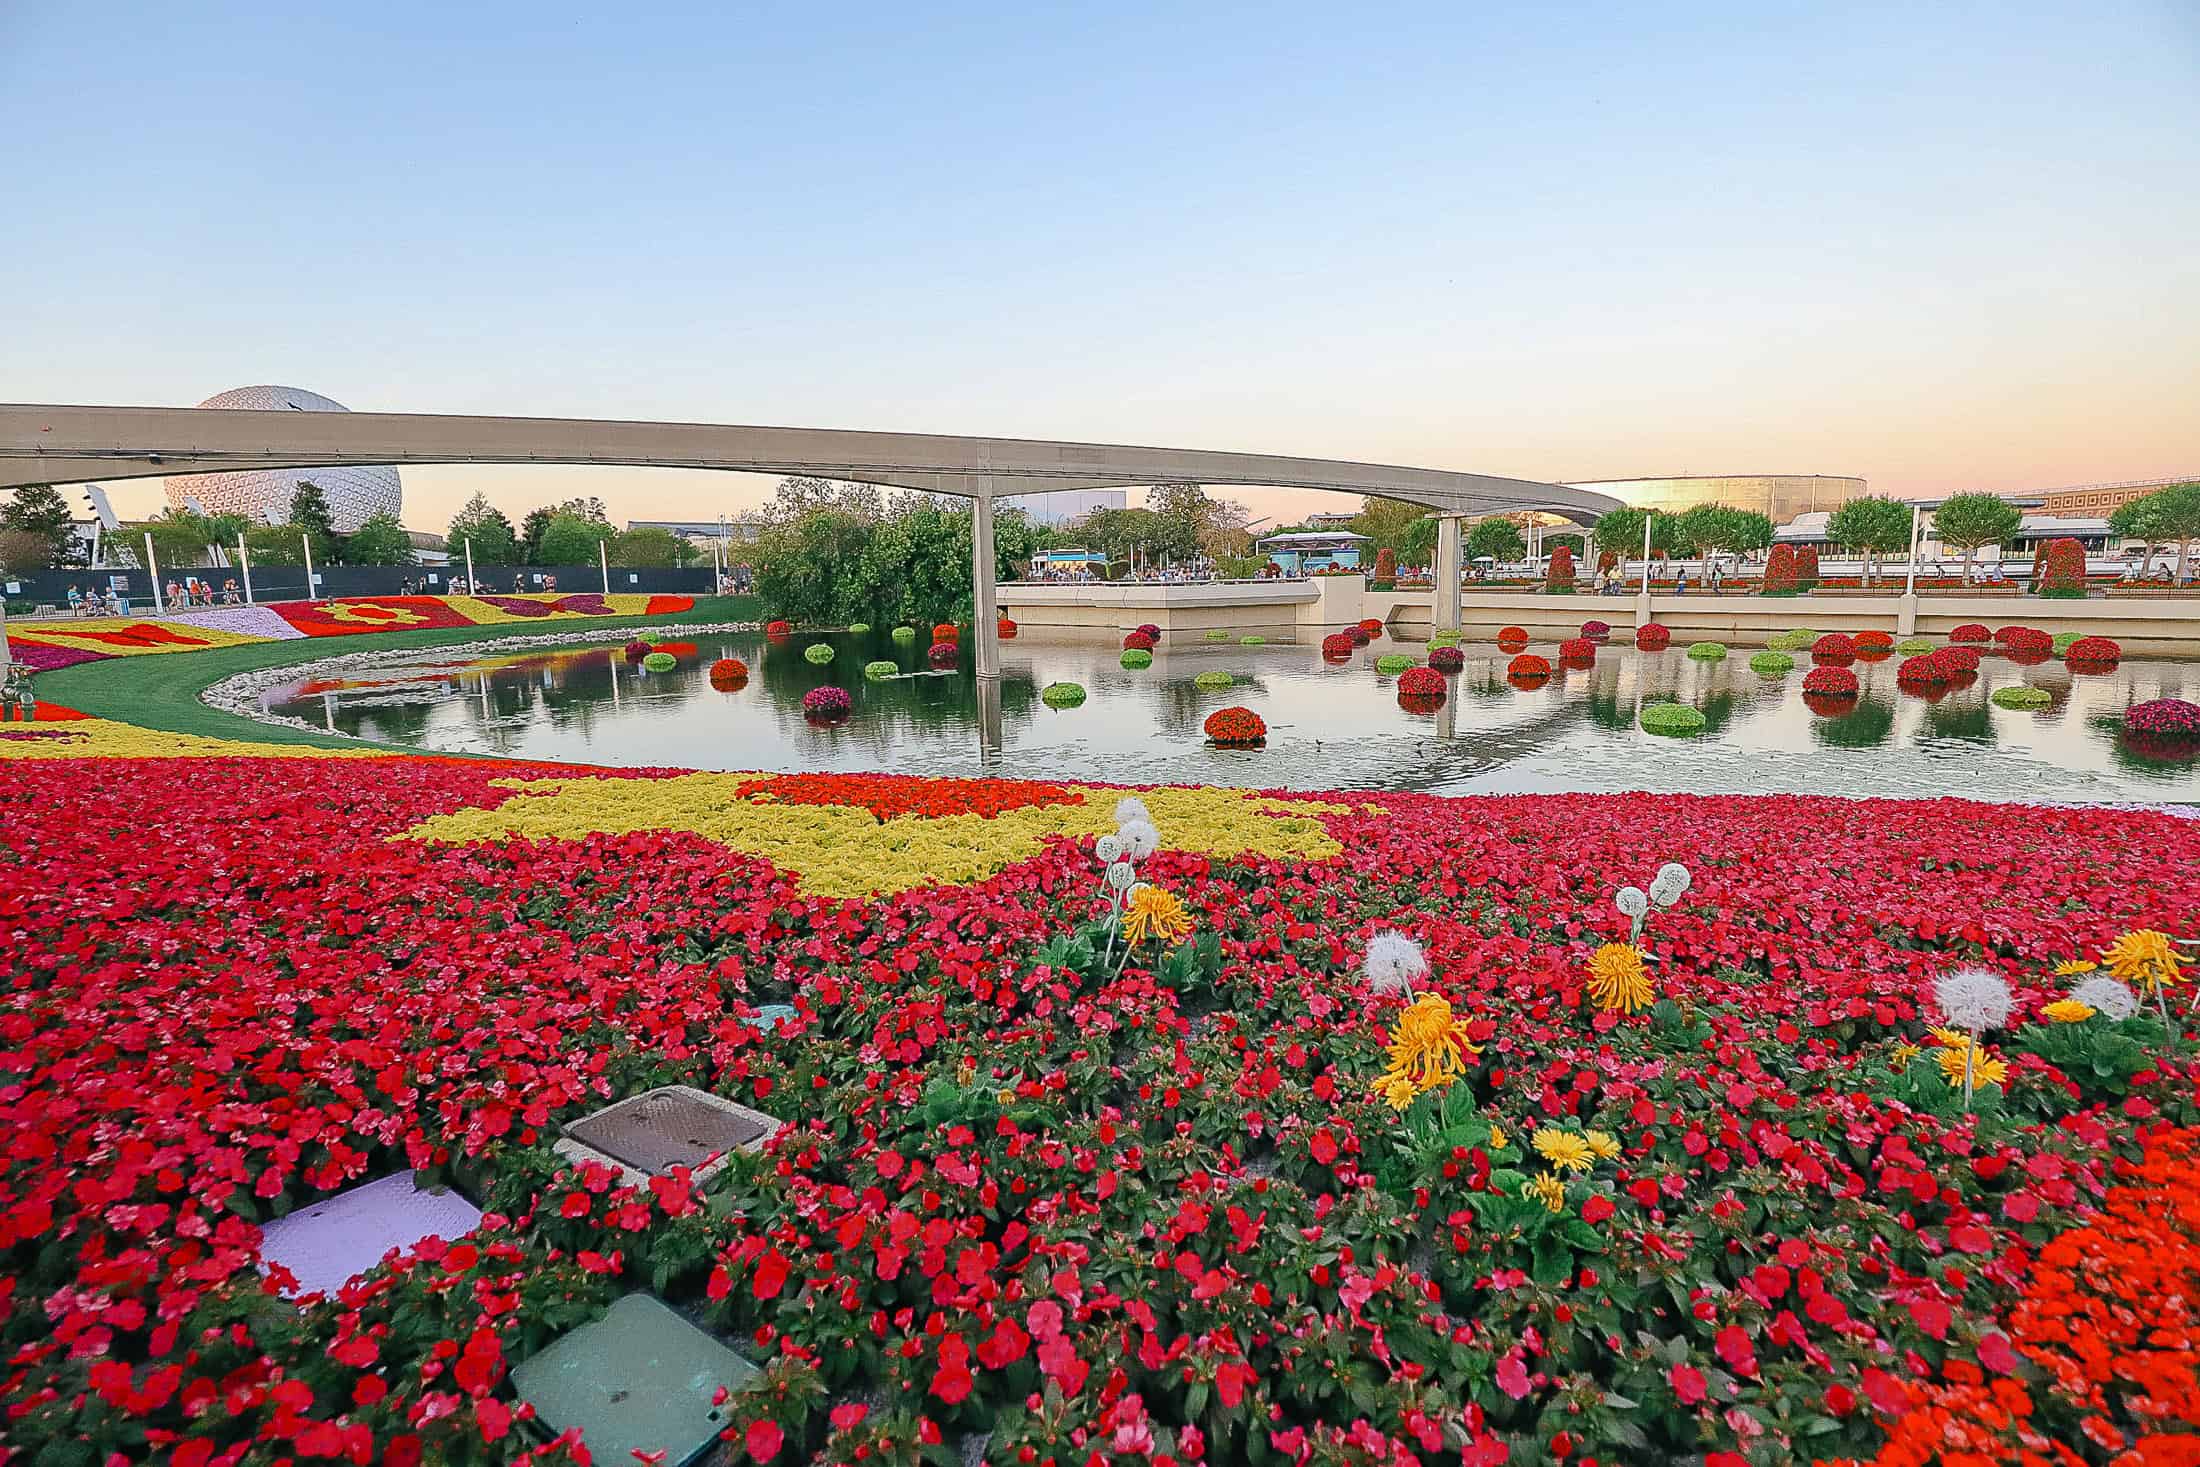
(1830, 682)
(1138, 640)
(1446, 659)
(1528, 666)
(1235, 726)
(355, 615)
(1971, 631)
(1653, 636)
(675, 649)
(2094, 652)
(891, 796)
(1338, 646)
(1421, 682)
(1833, 648)
(1579, 649)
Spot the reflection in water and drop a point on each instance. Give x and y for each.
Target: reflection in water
(1330, 725)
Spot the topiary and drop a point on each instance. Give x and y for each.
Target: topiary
(1806, 567)
(1062, 695)
(1772, 664)
(1136, 657)
(2020, 695)
(1211, 681)
(2061, 570)
(1253, 641)
(1385, 577)
(1558, 578)
(1780, 578)
(1673, 720)
(1446, 659)
(660, 662)
(1653, 637)
(1971, 631)
(1235, 727)
(905, 634)
(1830, 682)
(818, 652)
(1390, 664)
(1707, 651)
(2099, 652)
(1793, 641)
(880, 671)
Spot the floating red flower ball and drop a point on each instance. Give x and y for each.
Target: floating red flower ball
(1150, 630)
(1957, 659)
(1373, 628)
(1528, 666)
(777, 628)
(826, 705)
(1653, 636)
(1138, 640)
(1579, 649)
(1235, 727)
(1971, 631)
(728, 672)
(1446, 659)
(1337, 646)
(2164, 717)
(1421, 682)
(1005, 627)
(1512, 634)
(1830, 705)
(1596, 631)
(946, 631)
(637, 649)
(1358, 636)
(2093, 653)
(1876, 641)
(1830, 682)
(1833, 648)
(943, 654)
(1923, 670)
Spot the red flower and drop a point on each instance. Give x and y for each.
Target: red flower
(763, 1439)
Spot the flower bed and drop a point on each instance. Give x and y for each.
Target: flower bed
(1158, 1194)
(1235, 727)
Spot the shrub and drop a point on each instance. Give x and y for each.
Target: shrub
(1511, 634)
(1596, 631)
(1136, 657)
(1579, 649)
(728, 670)
(943, 654)
(660, 662)
(1254, 640)
(1971, 631)
(1653, 636)
(1780, 576)
(827, 703)
(1337, 646)
(1830, 682)
(1390, 664)
(905, 634)
(1772, 664)
(637, 649)
(2094, 652)
(860, 627)
(946, 631)
(818, 652)
(777, 628)
(1211, 681)
(1446, 659)
(1833, 647)
(879, 671)
(1674, 720)
(1235, 727)
(1386, 570)
(1874, 642)
(1528, 666)
(1217, 634)
(1137, 639)
(1915, 646)
(1062, 695)
(1558, 578)
(1793, 641)
(2061, 570)
(2022, 696)
(2164, 717)
(1707, 651)
(1421, 682)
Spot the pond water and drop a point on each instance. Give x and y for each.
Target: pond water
(1331, 726)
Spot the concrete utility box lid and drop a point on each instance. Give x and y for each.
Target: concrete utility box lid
(649, 1134)
(638, 1380)
(340, 1237)
(770, 1016)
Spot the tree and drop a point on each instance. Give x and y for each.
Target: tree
(1418, 544)
(23, 553)
(274, 545)
(799, 494)
(1620, 531)
(180, 537)
(648, 545)
(1117, 532)
(485, 525)
(1180, 516)
(1968, 521)
(570, 539)
(1225, 529)
(2166, 515)
(1386, 521)
(38, 510)
(379, 540)
(587, 509)
(309, 511)
(1499, 539)
(1872, 526)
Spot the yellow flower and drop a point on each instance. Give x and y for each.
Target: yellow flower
(1546, 1189)
(1563, 1150)
(2068, 1011)
(1497, 1137)
(2143, 959)
(1903, 1052)
(1395, 1088)
(1617, 983)
(1985, 1069)
(2072, 967)
(1428, 1046)
(1156, 913)
(1602, 1145)
(1949, 1038)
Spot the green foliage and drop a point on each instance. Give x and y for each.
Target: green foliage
(1674, 720)
(904, 634)
(2100, 1055)
(1390, 664)
(910, 564)
(1873, 525)
(538, 522)
(570, 539)
(1062, 695)
(309, 511)
(818, 653)
(1217, 634)
(1254, 640)
(1772, 664)
(660, 662)
(1798, 640)
(494, 540)
(1418, 543)
(2168, 514)
(1497, 538)
(880, 671)
(1915, 646)
(2064, 641)
(180, 538)
(1214, 681)
(274, 545)
(1136, 657)
(1707, 651)
(859, 627)
(379, 540)
(650, 546)
(1620, 531)
(2019, 695)
(1387, 522)
(1968, 521)
(38, 513)
(1716, 527)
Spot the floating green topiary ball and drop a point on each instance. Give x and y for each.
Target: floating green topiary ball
(1772, 664)
(2065, 640)
(1212, 681)
(1795, 641)
(818, 652)
(1443, 639)
(1062, 695)
(859, 626)
(660, 662)
(2022, 696)
(1137, 657)
(1675, 720)
(879, 671)
(905, 634)
(1916, 647)
(1390, 664)
(1217, 634)
(1253, 641)
(1707, 651)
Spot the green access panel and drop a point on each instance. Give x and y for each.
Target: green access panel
(640, 1379)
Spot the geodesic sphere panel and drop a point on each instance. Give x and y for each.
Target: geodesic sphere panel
(353, 492)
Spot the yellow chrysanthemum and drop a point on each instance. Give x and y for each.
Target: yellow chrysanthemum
(1395, 1089)
(2069, 1011)
(1497, 1137)
(1156, 913)
(2072, 967)
(1617, 983)
(1603, 1145)
(1563, 1150)
(1985, 1069)
(1903, 1052)
(1948, 1038)
(2144, 960)
(1546, 1189)
(1428, 1046)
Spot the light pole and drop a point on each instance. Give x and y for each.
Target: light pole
(244, 563)
(1917, 525)
(306, 540)
(469, 565)
(603, 563)
(152, 569)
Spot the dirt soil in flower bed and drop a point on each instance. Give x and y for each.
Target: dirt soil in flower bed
(1072, 1213)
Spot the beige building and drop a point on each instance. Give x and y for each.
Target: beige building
(1780, 496)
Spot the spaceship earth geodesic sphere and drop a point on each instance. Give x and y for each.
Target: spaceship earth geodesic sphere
(352, 492)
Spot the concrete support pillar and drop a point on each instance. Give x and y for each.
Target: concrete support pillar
(988, 629)
(1643, 615)
(1905, 621)
(1445, 612)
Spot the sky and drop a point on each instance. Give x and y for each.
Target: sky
(1941, 246)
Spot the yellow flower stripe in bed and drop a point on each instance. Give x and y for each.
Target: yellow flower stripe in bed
(839, 850)
(484, 614)
(103, 738)
(127, 636)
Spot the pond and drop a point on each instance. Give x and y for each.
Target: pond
(1330, 725)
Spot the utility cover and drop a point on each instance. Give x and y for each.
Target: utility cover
(338, 1238)
(639, 1380)
(771, 1016)
(673, 1126)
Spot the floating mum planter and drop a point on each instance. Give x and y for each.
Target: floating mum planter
(1235, 727)
(1356, 635)
(1772, 664)
(639, 1384)
(660, 662)
(904, 634)
(1137, 639)
(1446, 658)
(1373, 627)
(1255, 640)
(1217, 634)
(1674, 720)
(1004, 627)
(2025, 642)
(1971, 631)
(1834, 648)
(818, 653)
(1421, 682)
(778, 628)
(1653, 637)
(2093, 654)
(2168, 717)
(946, 631)
(1596, 631)
(1062, 695)
(1150, 630)
(1390, 664)
(1925, 669)
(881, 670)
(1867, 642)
(1338, 647)
(328, 1243)
(1577, 650)
(1528, 667)
(2064, 641)
(1916, 646)
(636, 650)
(647, 1135)
(1958, 659)
(1445, 638)
(1830, 682)
(728, 672)
(1511, 634)
(1136, 657)
(1793, 641)
(2022, 696)
(1707, 651)
(1211, 681)
(943, 654)
(859, 627)
(827, 704)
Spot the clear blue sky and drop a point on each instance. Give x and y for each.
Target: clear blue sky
(1948, 244)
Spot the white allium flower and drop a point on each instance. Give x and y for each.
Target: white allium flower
(1108, 848)
(1631, 902)
(1140, 839)
(1131, 808)
(1121, 876)
(1393, 961)
(2107, 997)
(1671, 884)
(1974, 999)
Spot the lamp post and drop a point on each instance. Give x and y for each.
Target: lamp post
(307, 541)
(603, 563)
(244, 563)
(152, 569)
(1917, 526)
(981, 581)
(469, 565)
